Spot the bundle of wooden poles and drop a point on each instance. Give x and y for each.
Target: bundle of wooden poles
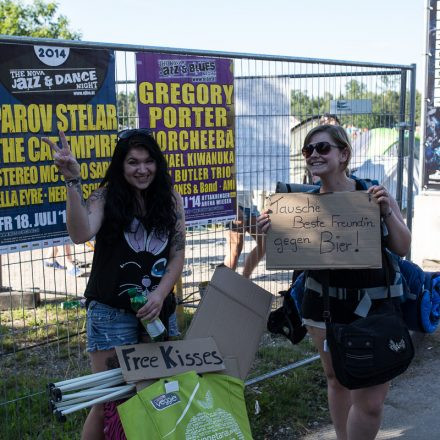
(71, 395)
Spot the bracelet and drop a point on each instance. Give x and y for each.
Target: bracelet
(388, 214)
(73, 182)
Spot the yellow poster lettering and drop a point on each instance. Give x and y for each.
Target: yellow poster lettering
(202, 94)
(221, 172)
(216, 94)
(30, 196)
(183, 189)
(175, 160)
(195, 140)
(190, 174)
(210, 158)
(210, 187)
(39, 151)
(184, 117)
(228, 90)
(63, 121)
(12, 150)
(82, 117)
(162, 96)
(161, 93)
(20, 118)
(97, 170)
(229, 185)
(172, 140)
(7, 119)
(175, 93)
(83, 146)
(8, 199)
(188, 95)
(145, 93)
(48, 173)
(56, 194)
(88, 188)
(155, 114)
(170, 117)
(19, 176)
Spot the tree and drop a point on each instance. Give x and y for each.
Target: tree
(39, 19)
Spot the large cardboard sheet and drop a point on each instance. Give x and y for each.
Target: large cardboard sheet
(234, 312)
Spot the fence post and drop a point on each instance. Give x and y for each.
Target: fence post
(410, 192)
(402, 127)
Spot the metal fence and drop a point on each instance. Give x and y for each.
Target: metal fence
(277, 100)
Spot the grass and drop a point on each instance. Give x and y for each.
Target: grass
(21, 328)
(287, 405)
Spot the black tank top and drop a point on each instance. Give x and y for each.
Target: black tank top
(136, 260)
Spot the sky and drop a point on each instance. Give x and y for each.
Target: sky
(390, 31)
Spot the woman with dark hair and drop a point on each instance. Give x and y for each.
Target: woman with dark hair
(356, 414)
(138, 221)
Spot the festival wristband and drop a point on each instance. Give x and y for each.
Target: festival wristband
(73, 182)
(388, 214)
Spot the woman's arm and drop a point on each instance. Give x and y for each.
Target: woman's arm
(83, 219)
(173, 271)
(399, 236)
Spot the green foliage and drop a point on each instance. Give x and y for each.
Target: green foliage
(39, 19)
(385, 104)
(127, 109)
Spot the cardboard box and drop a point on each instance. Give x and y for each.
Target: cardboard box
(234, 313)
(162, 359)
(320, 231)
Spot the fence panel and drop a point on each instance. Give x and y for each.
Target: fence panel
(276, 101)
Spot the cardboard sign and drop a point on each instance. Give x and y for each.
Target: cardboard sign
(234, 312)
(321, 231)
(162, 359)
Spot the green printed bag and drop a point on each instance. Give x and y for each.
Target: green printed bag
(188, 407)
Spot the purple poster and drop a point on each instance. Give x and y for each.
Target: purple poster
(188, 102)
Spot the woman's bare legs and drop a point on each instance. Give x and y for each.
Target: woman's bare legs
(356, 414)
(93, 428)
(234, 241)
(257, 253)
(339, 399)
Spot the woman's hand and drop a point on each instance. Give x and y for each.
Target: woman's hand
(382, 196)
(63, 158)
(263, 221)
(152, 309)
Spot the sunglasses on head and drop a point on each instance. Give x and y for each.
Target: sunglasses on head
(129, 132)
(321, 148)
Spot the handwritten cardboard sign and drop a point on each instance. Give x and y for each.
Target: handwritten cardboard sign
(321, 231)
(162, 359)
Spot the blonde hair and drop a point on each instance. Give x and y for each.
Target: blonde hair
(338, 135)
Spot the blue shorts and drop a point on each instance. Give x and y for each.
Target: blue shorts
(249, 212)
(108, 327)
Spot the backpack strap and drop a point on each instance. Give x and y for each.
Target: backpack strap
(365, 183)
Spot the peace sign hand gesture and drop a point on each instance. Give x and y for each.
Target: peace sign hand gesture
(63, 158)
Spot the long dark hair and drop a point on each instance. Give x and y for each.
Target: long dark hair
(121, 203)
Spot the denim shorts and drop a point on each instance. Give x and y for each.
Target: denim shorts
(108, 327)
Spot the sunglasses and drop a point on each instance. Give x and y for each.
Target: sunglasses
(129, 132)
(321, 148)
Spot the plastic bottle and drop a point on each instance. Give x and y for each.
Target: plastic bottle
(155, 329)
(70, 305)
